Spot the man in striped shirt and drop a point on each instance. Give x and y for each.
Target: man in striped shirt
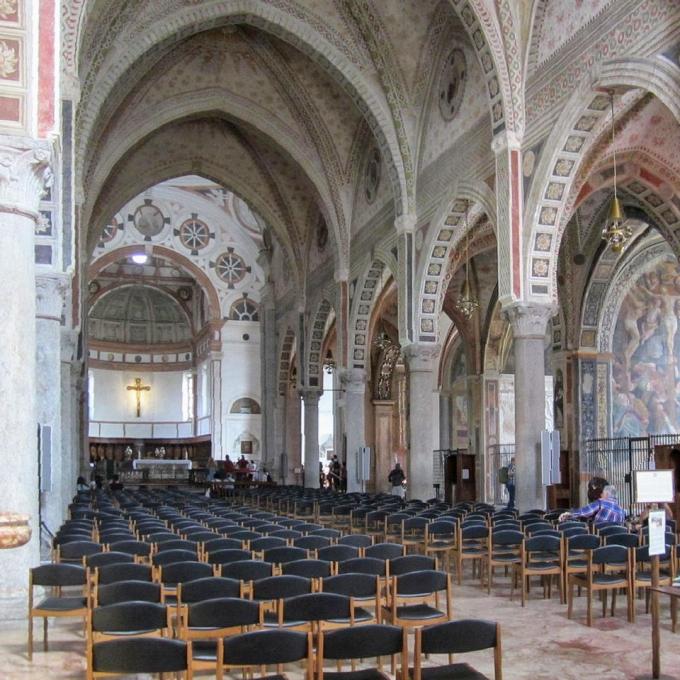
(605, 509)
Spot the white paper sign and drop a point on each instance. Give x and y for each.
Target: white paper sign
(657, 532)
(466, 473)
(654, 486)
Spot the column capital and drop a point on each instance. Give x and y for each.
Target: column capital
(421, 356)
(310, 395)
(528, 320)
(353, 380)
(405, 223)
(49, 296)
(505, 140)
(24, 173)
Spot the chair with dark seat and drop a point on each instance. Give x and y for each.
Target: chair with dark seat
(337, 553)
(409, 563)
(221, 557)
(104, 558)
(139, 655)
(216, 544)
(362, 642)
(310, 542)
(130, 618)
(503, 550)
(273, 590)
(279, 556)
(440, 539)
(374, 523)
(472, 547)
(210, 588)
(127, 591)
(625, 539)
(75, 552)
(207, 622)
(333, 534)
(307, 568)
(413, 598)
(164, 558)
(59, 604)
(364, 565)
(250, 652)
(641, 574)
(138, 549)
(364, 589)
(246, 570)
(361, 541)
(245, 535)
(111, 573)
(181, 572)
(605, 529)
(288, 534)
(308, 527)
(259, 545)
(393, 526)
(413, 532)
(319, 611)
(598, 578)
(385, 551)
(177, 544)
(456, 637)
(541, 556)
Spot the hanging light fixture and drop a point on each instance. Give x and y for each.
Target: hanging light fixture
(329, 363)
(382, 340)
(467, 304)
(615, 231)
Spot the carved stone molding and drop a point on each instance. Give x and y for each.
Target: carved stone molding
(49, 296)
(405, 223)
(529, 320)
(310, 396)
(421, 356)
(353, 380)
(24, 173)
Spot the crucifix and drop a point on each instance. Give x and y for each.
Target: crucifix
(138, 388)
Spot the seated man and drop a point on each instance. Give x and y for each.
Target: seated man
(605, 509)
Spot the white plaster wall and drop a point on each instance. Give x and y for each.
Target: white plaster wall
(113, 402)
(241, 367)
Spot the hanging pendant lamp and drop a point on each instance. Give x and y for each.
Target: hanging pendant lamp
(467, 304)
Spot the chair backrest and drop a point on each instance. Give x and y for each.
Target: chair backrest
(287, 534)
(307, 568)
(247, 570)
(352, 585)
(216, 544)
(164, 558)
(267, 542)
(279, 587)
(284, 554)
(610, 554)
(440, 529)
(178, 544)
(385, 551)
(356, 540)
(104, 558)
(310, 542)
(58, 575)
(626, 540)
(506, 537)
(229, 555)
(128, 591)
(208, 588)
(140, 655)
(124, 617)
(124, 572)
(267, 647)
(574, 531)
(473, 532)
(458, 637)
(417, 582)
(337, 553)
(363, 642)
(224, 612)
(409, 563)
(76, 550)
(139, 548)
(245, 535)
(363, 565)
(181, 572)
(545, 544)
(611, 530)
(316, 607)
(583, 542)
(326, 533)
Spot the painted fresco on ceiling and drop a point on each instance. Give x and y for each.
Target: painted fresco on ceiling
(646, 350)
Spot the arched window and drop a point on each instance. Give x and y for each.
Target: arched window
(244, 310)
(245, 405)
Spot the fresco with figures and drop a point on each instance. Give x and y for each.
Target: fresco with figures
(646, 350)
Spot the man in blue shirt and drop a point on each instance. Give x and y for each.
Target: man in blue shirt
(605, 509)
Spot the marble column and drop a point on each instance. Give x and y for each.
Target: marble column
(49, 303)
(353, 381)
(383, 433)
(423, 415)
(529, 323)
(445, 419)
(71, 455)
(218, 448)
(23, 164)
(268, 380)
(293, 436)
(310, 398)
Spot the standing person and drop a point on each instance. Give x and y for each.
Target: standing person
(212, 469)
(343, 478)
(510, 484)
(335, 471)
(396, 478)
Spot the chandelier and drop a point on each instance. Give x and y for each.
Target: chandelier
(615, 231)
(329, 363)
(467, 304)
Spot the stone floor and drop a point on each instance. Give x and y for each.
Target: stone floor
(539, 642)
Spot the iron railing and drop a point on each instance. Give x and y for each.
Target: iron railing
(499, 456)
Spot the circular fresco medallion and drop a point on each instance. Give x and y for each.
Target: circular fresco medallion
(452, 84)
(194, 234)
(230, 267)
(148, 220)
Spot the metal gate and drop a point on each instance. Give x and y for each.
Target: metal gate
(499, 456)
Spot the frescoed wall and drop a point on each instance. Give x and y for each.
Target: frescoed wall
(646, 349)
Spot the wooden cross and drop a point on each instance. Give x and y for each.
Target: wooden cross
(139, 388)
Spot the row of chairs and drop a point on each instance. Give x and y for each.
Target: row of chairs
(253, 651)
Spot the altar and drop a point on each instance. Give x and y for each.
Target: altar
(162, 468)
